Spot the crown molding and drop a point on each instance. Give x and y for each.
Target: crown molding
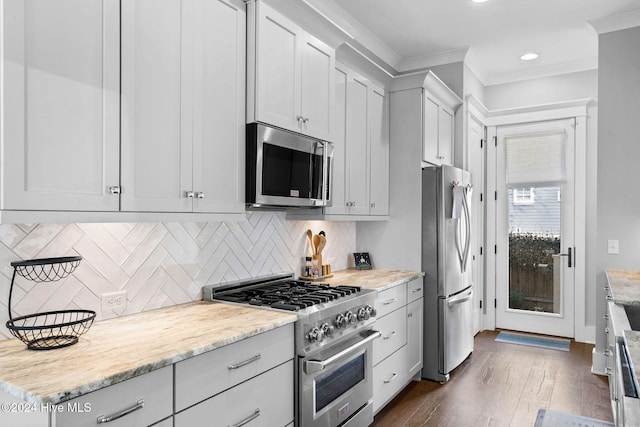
(619, 22)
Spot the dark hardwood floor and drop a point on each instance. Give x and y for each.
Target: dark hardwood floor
(504, 385)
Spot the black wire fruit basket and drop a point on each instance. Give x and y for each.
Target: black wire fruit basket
(51, 329)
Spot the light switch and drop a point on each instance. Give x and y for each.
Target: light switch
(613, 246)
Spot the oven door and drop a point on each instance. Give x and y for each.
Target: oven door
(336, 384)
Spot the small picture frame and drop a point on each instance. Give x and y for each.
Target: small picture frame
(362, 261)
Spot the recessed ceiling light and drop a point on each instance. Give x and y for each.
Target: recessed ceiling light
(529, 56)
(478, 1)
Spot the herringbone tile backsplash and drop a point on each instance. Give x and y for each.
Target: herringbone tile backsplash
(158, 264)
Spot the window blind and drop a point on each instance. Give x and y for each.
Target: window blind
(536, 160)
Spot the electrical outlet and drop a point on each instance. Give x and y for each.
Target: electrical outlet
(613, 246)
(114, 302)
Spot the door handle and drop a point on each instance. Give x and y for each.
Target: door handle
(462, 298)
(569, 255)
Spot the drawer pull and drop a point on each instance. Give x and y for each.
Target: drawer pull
(391, 378)
(389, 336)
(391, 301)
(246, 362)
(107, 419)
(417, 290)
(250, 418)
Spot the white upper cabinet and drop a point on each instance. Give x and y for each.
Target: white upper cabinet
(440, 104)
(378, 152)
(60, 112)
(291, 74)
(361, 154)
(183, 105)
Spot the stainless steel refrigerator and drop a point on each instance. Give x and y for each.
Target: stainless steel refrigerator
(448, 297)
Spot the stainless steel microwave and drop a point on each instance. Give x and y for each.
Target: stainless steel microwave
(286, 169)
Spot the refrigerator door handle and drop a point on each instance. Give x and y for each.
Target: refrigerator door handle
(466, 296)
(467, 244)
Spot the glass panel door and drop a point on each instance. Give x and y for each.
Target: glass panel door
(535, 228)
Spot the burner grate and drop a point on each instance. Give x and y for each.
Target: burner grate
(292, 295)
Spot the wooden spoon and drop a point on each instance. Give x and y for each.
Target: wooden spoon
(309, 237)
(316, 243)
(321, 245)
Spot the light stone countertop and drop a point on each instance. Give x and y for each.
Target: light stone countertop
(376, 279)
(118, 349)
(625, 286)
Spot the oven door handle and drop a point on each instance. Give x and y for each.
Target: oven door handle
(312, 366)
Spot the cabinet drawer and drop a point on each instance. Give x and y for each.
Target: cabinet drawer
(154, 390)
(391, 299)
(267, 397)
(393, 328)
(415, 289)
(208, 374)
(388, 378)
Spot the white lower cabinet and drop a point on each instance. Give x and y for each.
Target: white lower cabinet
(397, 354)
(140, 401)
(208, 374)
(389, 377)
(265, 400)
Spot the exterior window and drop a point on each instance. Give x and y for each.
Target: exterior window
(523, 196)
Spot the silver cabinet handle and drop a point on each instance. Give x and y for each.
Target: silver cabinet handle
(389, 336)
(200, 195)
(114, 189)
(190, 194)
(108, 418)
(300, 118)
(391, 378)
(417, 290)
(410, 314)
(608, 371)
(607, 352)
(246, 362)
(373, 205)
(305, 120)
(250, 418)
(391, 301)
(606, 317)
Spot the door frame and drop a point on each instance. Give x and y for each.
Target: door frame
(577, 109)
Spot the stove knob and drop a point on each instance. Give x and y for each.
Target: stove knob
(372, 311)
(351, 319)
(327, 329)
(315, 335)
(363, 314)
(341, 322)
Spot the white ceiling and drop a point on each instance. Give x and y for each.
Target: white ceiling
(491, 36)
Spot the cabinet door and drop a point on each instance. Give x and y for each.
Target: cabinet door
(357, 147)
(316, 88)
(414, 336)
(218, 28)
(137, 402)
(277, 69)
(338, 183)
(265, 400)
(431, 123)
(379, 153)
(60, 112)
(445, 136)
(156, 149)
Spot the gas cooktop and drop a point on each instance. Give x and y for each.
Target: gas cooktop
(279, 293)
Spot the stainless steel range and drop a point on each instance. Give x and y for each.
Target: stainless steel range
(333, 342)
